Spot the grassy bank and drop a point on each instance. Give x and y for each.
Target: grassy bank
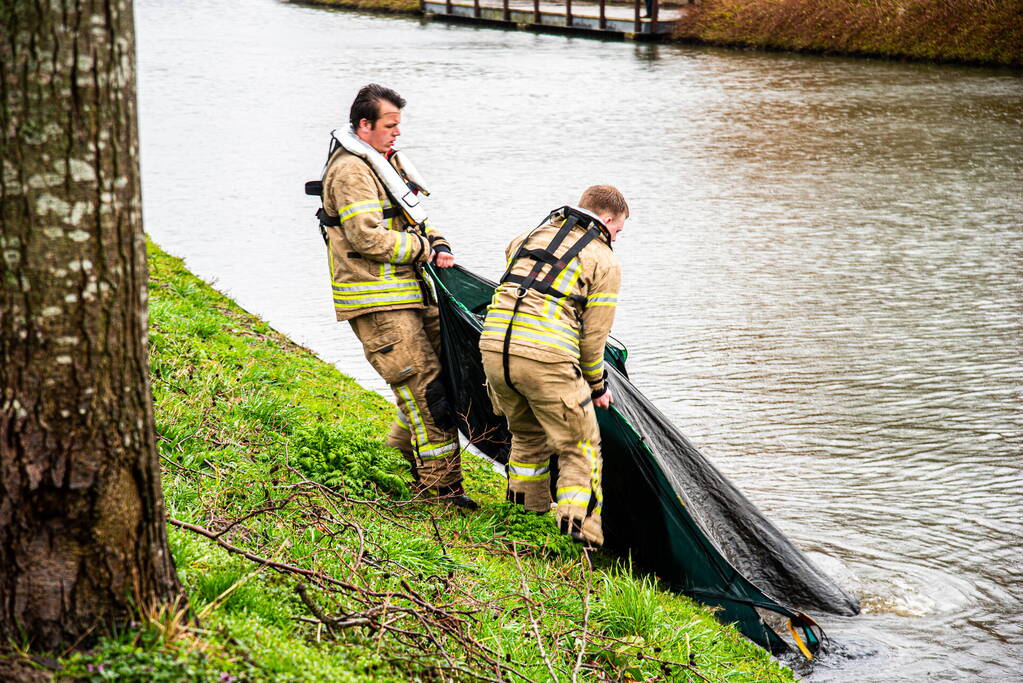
(306, 559)
(389, 6)
(972, 31)
(966, 31)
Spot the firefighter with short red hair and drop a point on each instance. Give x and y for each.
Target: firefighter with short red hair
(543, 354)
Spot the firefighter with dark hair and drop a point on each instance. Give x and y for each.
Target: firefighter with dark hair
(378, 237)
(543, 354)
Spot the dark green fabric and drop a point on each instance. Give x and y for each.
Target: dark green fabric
(665, 504)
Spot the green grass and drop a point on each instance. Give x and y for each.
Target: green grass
(281, 456)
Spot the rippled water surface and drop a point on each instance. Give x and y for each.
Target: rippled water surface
(823, 272)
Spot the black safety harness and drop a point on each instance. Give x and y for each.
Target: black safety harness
(547, 257)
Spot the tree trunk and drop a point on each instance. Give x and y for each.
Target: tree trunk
(83, 541)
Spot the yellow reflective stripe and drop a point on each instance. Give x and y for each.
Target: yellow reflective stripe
(438, 450)
(418, 428)
(330, 264)
(401, 247)
(395, 287)
(427, 450)
(369, 294)
(529, 477)
(361, 204)
(595, 372)
(562, 286)
(342, 296)
(570, 273)
(358, 208)
(536, 465)
(392, 300)
(595, 474)
(505, 313)
(372, 285)
(500, 317)
(521, 471)
(602, 299)
(580, 498)
(500, 331)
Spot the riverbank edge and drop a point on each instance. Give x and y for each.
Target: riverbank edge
(274, 465)
(957, 32)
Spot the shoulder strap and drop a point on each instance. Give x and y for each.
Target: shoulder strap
(546, 257)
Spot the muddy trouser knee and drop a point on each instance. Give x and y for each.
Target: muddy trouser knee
(553, 399)
(397, 346)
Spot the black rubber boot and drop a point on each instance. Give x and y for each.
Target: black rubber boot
(456, 495)
(417, 485)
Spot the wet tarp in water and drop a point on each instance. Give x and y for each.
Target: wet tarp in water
(664, 502)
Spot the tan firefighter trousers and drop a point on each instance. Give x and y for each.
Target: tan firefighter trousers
(403, 346)
(553, 414)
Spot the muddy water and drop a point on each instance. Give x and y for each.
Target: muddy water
(823, 281)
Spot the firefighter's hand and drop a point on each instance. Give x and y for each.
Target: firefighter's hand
(604, 401)
(442, 259)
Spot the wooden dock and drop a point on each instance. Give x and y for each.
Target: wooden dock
(621, 21)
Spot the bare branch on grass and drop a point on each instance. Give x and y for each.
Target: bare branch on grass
(528, 600)
(587, 568)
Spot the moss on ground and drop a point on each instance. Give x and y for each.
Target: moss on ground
(305, 557)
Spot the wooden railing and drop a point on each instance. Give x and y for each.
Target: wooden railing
(569, 16)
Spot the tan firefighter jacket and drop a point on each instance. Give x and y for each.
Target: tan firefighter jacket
(375, 251)
(553, 328)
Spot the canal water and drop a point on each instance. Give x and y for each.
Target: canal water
(823, 272)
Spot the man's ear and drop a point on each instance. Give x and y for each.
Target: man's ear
(606, 219)
(368, 126)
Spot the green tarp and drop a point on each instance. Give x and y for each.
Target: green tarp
(665, 504)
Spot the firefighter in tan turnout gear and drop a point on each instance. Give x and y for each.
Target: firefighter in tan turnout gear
(376, 247)
(543, 354)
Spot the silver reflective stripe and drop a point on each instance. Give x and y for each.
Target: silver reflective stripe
(602, 300)
(379, 300)
(438, 452)
(521, 468)
(419, 429)
(595, 369)
(523, 472)
(402, 243)
(535, 321)
(362, 287)
(519, 333)
(574, 496)
(595, 475)
(358, 208)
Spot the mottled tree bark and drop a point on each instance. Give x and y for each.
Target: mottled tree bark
(83, 541)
